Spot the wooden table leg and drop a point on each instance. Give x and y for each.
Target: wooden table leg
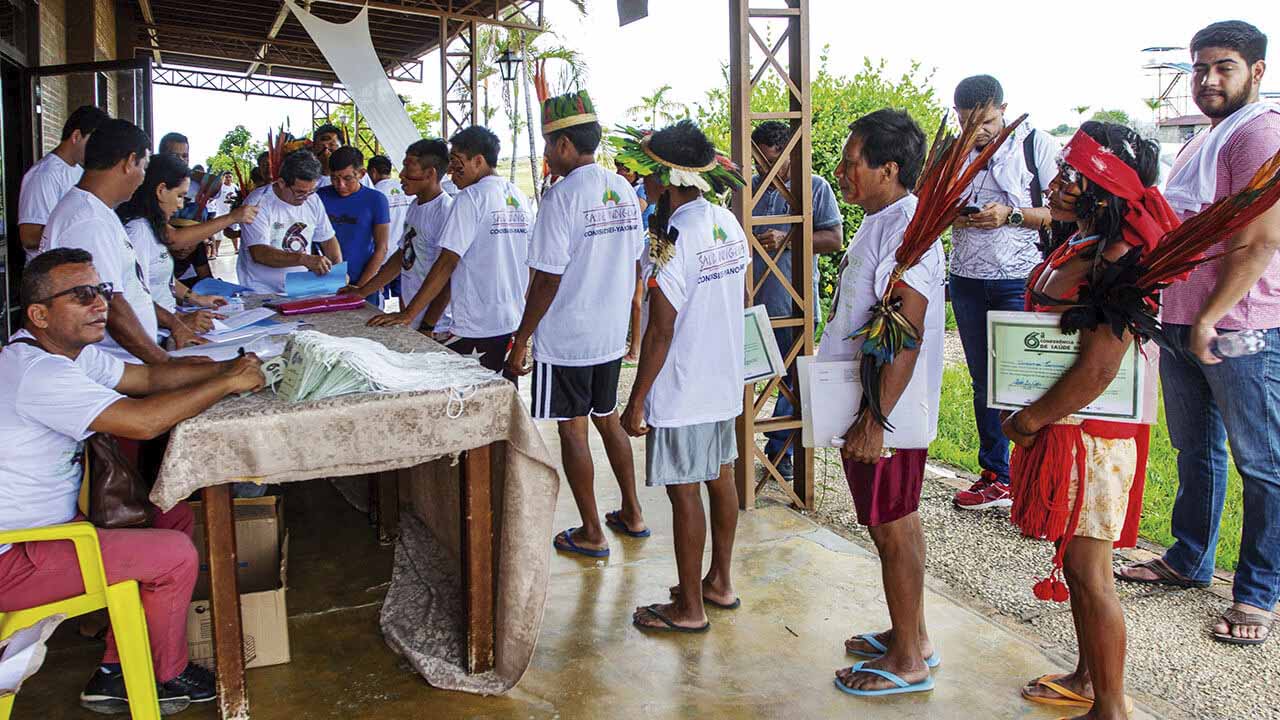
(387, 493)
(224, 602)
(477, 558)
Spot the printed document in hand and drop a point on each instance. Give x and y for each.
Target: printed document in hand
(831, 393)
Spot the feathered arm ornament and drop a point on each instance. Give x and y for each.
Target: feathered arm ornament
(942, 194)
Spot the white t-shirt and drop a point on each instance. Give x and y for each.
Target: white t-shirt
(397, 204)
(43, 185)
(489, 229)
(588, 232)
(45, 413)
(421, 245)
(865, 272)
(284, 227)
(81, 220)
(156, 262)
(701, 380)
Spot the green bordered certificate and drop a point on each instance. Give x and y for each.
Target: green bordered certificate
(1028, 353)
(763, 359)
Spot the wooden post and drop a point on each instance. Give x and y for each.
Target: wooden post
(477, 558)
(743, 37)
(387, 493)
(224, 601)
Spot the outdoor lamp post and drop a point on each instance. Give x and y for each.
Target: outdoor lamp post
(508, 65)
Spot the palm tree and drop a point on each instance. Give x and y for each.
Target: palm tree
(655, 107)
(1081, 110)
(1154, 104)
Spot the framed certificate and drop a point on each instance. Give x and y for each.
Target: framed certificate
(1028, 353)
(762, 358)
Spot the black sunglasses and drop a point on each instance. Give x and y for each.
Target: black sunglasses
(84, 294)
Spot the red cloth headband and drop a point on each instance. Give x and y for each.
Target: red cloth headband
(1149, 216)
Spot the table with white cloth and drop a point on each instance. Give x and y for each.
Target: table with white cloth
(472, 470)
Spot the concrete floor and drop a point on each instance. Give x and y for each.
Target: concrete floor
(804, 590)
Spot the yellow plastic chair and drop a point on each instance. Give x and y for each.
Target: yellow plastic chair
(123, 604)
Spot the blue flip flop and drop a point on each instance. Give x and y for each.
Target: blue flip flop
(932, 661)
(901, 686)
(613, 521)
(570, 546)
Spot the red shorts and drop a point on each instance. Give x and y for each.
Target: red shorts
(888, 490)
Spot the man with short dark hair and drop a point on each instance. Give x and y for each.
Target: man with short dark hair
(993, 250)
(325, 141)
(771, 137)
(359, 215)
(425, 163)
(880, 164)
(1211, 404)
(61, 388)
(290, 220)
(175, 143)
(584, 255)
(115, 162)
(46, 181)
(483, 254)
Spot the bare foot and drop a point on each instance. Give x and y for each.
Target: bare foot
(857, 644)
(648, 616)
(722, 594)
(1244, 631)
(1076, 682)
(912, 672)
(582, 540)
(632, 520)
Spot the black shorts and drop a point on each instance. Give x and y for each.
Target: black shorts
(561, 392)
(490, 352)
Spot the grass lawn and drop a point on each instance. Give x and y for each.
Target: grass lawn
(957, 445)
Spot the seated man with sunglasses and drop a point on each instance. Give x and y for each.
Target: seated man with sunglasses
(60, 389)
(291, 220)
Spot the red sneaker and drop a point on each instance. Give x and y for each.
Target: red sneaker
(983, 494)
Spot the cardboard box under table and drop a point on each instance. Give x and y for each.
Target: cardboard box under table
(262, 553)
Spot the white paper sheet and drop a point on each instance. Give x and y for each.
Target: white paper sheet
(831, 393)
(264, 344)
(24, 652)
(237, 320)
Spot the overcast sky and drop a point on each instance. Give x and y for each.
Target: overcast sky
(1050, 57)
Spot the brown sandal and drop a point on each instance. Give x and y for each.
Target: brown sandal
(1165, 575)
(1239, 618)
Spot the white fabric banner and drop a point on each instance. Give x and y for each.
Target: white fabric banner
(349, 50)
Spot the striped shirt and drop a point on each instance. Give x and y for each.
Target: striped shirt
(1252, 145)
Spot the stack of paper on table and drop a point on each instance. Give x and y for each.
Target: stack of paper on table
(831, 393)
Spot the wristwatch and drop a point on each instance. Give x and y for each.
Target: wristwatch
(1016, 217)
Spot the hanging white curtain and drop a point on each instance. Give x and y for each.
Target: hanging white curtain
(349, 50)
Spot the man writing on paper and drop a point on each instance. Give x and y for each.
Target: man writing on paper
(880, 164)
(290, 218)
(584, 255)
(688, 388)
(1105, 185)
(483, 259)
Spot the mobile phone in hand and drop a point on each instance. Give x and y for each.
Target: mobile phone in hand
(970, 209)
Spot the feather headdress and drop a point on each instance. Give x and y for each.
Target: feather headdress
(634, 153)
(942, 192)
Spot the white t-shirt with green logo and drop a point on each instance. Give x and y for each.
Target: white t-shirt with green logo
(588, 232)
(421, 245)
(282, 226)
(489, 229)
(701, 380)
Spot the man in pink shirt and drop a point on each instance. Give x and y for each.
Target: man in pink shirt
(1209, 402)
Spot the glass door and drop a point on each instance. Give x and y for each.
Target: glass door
(121, 88)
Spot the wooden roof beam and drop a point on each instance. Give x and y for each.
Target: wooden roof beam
(149, 18)
(435, 13)
(281, 15)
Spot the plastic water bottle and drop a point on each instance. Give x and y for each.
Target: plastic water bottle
(1237, 344)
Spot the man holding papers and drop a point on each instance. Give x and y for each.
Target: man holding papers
(881, 163)
(290, 219)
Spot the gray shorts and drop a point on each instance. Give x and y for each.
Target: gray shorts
(688, 454)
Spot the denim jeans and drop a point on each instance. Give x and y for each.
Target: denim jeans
(1237, 400)
(971, 299)
(782, 407)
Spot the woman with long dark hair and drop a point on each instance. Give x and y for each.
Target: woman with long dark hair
(146, 218)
